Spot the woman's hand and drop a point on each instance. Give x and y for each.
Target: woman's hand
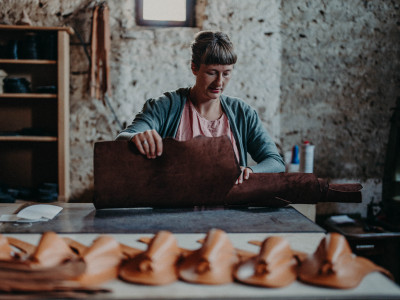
(244, 175)
(149, 143)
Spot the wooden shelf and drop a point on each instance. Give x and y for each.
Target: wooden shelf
(6, 138)
(28, 95)
(36, 28)
(27, 160)
(27, 61)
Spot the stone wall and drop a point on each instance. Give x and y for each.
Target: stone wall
(340, 78)
(327, 71)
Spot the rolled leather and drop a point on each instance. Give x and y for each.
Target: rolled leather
(280, 189)
(200, 172)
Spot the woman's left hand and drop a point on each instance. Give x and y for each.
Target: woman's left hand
(244, 175)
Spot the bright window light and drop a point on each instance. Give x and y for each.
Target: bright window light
(164, 10)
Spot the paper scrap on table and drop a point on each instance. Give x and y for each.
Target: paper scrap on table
(342, 219)
(33, 213)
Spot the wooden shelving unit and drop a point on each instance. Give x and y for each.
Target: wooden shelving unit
(29, 160)
(30, 138)
(28, 95)
(28, 61)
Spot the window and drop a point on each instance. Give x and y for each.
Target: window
(165, 12)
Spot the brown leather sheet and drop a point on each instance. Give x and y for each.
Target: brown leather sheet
(197, 172)
(200, 172)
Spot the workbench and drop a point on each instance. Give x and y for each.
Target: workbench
(80, 221)
(84, 218)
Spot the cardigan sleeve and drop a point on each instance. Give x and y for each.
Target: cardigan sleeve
(153, 116)
(261, 147)
(148, 118)
(161, 114)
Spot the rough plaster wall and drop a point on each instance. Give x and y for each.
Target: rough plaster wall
(145, 62)
(254, 28)
(340, 77)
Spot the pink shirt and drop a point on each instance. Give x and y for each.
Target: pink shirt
(193, 124)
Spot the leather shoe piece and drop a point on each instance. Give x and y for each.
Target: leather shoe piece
(102, 260)
(58, 267)
(6, 252)
(156, 265)
(213, 263)
(275, 265)
(52, 265)
(334, 265)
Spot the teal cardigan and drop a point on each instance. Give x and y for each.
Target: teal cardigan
(164, 114)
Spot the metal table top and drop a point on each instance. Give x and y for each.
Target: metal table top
(84, 218)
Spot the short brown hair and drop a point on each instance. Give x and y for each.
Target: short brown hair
(212, 47)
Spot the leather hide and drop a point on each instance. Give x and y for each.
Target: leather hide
(200, 172)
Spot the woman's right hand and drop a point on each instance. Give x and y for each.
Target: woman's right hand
(149, 143)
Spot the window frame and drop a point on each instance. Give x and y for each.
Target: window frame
(190, 16)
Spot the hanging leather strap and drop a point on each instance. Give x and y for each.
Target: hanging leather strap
(100, 83)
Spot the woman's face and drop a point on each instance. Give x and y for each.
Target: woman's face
(211, 80)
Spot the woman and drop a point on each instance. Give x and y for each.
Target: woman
(203, 109)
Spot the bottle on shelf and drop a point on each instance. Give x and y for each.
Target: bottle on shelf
(307, 157)
(294, 165)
